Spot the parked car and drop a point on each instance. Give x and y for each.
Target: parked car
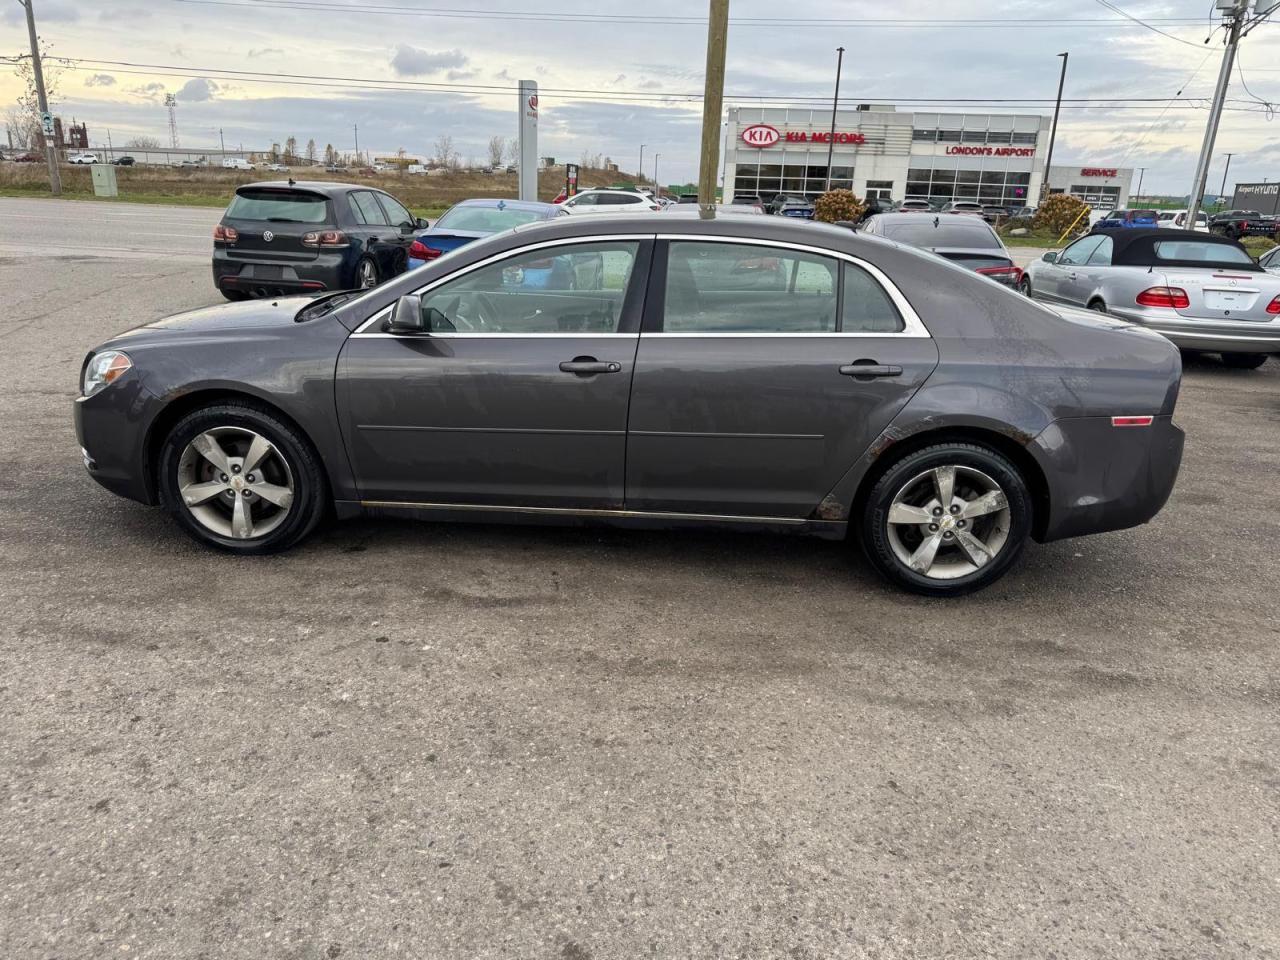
(124, 161)
(609, 200)
(276, 168)
(284, 237)
(82, 157)
(1244, 223)
(970, 207)
(1177, 220)
(1021, 216)
(1270, 261)
(1126, 220)
(776, 203)
(191, 164)
(968, 242)
(762, 375)
(237, 163)
(797, 208)
(29, 157)
(994, 213)
(472, 219)
(914, 206)
(746, 204)
(1201, 291)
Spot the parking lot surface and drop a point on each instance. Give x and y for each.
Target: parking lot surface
(449, 741)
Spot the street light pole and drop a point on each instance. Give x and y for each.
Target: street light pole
(657, 189)
(835, 103)
(1215, 111)
(355, 128)
(1224, 178)
(42, 100)
(1142, 172)
(1053, 130)
(642, 163)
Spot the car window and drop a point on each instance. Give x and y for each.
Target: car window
(1201, 251)
(867, 307)
(279, 205)
(939, 232)
(1271, 259)
(486, 219)
(397, 214)
(743, 288)
(582, 200)
(365, 207)
(1079, 251)
(569, 289)
(1101, 255)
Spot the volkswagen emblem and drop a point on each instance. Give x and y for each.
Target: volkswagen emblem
(268, 236)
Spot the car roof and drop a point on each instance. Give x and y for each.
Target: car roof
(326, 187)
(534, 206)
(1137, 247)
(723, 223)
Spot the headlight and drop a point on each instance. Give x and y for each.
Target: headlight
(103, 370)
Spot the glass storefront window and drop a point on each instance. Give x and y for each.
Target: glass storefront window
(924, 136)
(918, 173)
(973, 136)
(967, 176)
(773, 170)
(948, 136)
(1025, 138)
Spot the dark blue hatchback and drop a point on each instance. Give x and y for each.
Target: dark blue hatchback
(1127, 220)
(472, 219)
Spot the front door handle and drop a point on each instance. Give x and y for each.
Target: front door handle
(587, 366)
(869, 369)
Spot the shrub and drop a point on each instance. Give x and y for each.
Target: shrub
(1058, 212)
(838, 205)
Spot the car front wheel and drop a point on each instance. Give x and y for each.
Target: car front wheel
(947, 520)
(238, 478)
(1244, 361)
(1024, 286)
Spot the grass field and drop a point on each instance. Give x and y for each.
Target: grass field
(425, 196)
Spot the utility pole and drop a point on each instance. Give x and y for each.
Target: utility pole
(656, 189)
(1053, 131)
(835, 103)
(1142, 172)
(712, 106)
(355, 127)
(1215, 110)
(42, 100)
(1223, 191)
(222, 143)
(642, 163)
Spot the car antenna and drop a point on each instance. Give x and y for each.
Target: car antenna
(935, 222)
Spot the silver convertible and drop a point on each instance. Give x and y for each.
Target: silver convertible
(1203, 292)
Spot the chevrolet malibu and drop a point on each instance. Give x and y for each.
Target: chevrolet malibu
(740, 372)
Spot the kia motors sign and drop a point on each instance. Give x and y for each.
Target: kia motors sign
(824, 136)
(760, 135)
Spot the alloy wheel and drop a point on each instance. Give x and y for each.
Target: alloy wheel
(367, 274)
(235, 483)
(948, 522)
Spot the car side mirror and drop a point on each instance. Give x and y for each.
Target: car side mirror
(1050, 257)
(421, 224)
(406, 315)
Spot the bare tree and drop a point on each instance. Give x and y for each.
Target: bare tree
(330, 155)
(291, 150)
(513, 150)
(28, 102)
(445, 155)
(144, 143)
(18, 129)
(497, 149)
(311, 151)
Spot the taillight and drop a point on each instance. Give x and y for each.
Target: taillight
(223, 234)
(1010, 274)
(420, 251)
(1273, 307)
(1174, 297)
(324, 238)
(1132, 421)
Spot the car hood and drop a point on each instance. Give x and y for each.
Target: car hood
(259, 315)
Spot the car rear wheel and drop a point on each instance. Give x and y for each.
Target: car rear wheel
(366, 274)
(238, 478)
(1099, 306)
(1244, 361)
(1024, 286)
(947, 520)
(235, 296)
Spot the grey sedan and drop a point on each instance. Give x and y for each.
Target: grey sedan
(1203, 292)
(742, 372)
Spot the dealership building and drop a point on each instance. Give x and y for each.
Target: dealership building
(892, 154)
(1263, 197)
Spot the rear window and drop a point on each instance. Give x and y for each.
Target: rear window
(279, 207)
(1201, 251)
(486, 219)
(1142, 215)
(947, 233)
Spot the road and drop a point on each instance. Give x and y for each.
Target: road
(411, 740)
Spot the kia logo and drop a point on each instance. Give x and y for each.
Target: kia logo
(533, 103)
(760, 135)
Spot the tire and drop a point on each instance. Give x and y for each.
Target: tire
(951, 573)
(235, 296)
(1098, 305)
(366, 274)
(1024, 286)
(1244, 361)
(290, 466)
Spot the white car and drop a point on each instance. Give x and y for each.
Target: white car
(1177, 220)
(605, 200)
(82, 157)
(236, 163)
(1270, 261)
(277, 167)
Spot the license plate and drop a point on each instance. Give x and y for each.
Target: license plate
(1227, 299)
(261, 272)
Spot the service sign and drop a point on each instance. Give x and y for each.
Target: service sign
(1098, 172)
(760, 135)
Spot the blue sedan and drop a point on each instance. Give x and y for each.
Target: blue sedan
(471, 220)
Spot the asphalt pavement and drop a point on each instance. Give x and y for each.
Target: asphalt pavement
(457, 741)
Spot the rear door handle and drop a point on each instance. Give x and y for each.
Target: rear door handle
(586, 366)
(869, 370)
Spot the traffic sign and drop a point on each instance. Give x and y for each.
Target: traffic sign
(46, 123)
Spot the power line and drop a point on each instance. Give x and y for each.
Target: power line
(1128, 16)
(385, 9)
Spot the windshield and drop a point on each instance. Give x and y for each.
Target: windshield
(946, 234)
(1201, 251)
(279, 206)
(486, 219)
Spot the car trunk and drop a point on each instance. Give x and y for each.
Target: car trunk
(1225, 294)
(980, 260)
(450, 239)
(271, 223)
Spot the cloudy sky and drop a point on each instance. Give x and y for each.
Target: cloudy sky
(607, 73)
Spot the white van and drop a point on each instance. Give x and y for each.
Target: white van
(236, 163)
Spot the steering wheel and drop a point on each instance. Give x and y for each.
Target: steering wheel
(475, 313)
